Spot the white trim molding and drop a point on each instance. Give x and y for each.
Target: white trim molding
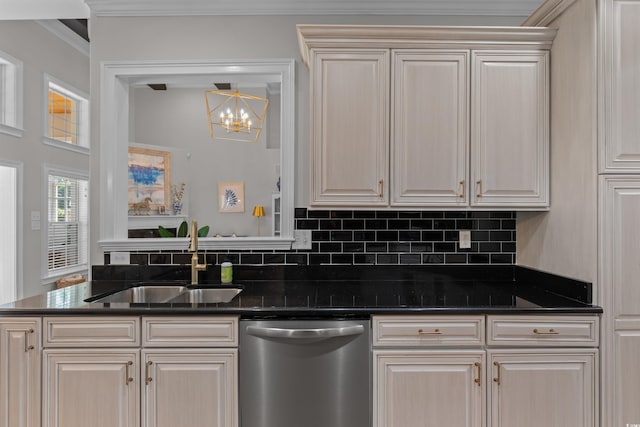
(547, 13)
(65, 34)
(114, 142)
(12, 110)
(311, 7)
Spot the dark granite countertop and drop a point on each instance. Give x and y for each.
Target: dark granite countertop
(333, 291)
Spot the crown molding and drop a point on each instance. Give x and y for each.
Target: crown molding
(547, 13)
(65, 34)
(311, 7)
(421, 37)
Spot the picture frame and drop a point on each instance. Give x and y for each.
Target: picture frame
(231, 197)
(149, 180)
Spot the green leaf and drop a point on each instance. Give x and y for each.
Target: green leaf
(164, 232)
(203, 231)
(182, 230)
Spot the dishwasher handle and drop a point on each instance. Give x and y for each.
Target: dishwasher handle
(320, 333)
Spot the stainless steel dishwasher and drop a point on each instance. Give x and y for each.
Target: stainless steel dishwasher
(305, 373)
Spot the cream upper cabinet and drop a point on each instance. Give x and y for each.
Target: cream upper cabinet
(429, 127)
(20, 355)
(349, 127)
(510, 129)
(620, 145)
(458, 117)
(551, 388)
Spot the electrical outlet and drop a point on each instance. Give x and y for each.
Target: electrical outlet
(464, 239)
(120, 258)
(302, 239)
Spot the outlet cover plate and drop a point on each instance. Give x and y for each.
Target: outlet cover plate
(302, 239)
(120, 258)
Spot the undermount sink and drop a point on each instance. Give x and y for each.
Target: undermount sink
(154, 294)
(207, 295)
(144, 294)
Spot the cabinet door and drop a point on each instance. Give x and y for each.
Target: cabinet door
(20, 372)
(97, 388)
(620, 236)
(349, 127)
(428, 388)
(551, 388)
(626, 378)
(195, 388)
(510, 129)
(620, 146)
(429, 128)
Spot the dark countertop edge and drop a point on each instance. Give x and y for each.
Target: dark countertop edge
(316, 312)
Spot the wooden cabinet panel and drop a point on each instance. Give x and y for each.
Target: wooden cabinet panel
(429, 331)
(20, 360)
(626, 374)
(430, 142)
(620, 236)
(428, 388)
(91, 387)
(620, 147)
(217, 331)
(541, 331)
(349, 127)
(91, 331)
(510, 129)
(543, 387)
(195, 388)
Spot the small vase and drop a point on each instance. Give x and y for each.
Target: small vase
(177, 207)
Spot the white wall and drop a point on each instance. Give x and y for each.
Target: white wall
(228, 37)
(563, 240)
(41, 52)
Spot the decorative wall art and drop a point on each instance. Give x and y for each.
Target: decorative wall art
(231, 197)
(149, 173)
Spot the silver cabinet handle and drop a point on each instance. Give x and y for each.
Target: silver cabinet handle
(305, 333)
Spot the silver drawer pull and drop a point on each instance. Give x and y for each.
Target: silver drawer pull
(549, 332)
(434, 332)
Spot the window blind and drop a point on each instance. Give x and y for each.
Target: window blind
(67, 233)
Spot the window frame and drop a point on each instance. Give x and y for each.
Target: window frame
(82, 100)
(12, 81)
(49, 276)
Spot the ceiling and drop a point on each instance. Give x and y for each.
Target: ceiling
(80, 9)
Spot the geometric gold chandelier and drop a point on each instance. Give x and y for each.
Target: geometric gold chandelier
(235, 116)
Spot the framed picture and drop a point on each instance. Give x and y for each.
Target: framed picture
(149, 173)
(231, 197)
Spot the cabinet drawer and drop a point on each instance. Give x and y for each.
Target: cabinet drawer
(427, 331)
(218, 331)
(91, 332)
(569, 331)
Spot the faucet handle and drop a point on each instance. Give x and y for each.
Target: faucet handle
(193, 237)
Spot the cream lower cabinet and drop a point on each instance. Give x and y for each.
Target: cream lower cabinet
(415, 388)
(20, 360)
(193, 388)
(531, 371)
(417, 383)
(91, 387)
(550, 387)
(167, 371)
